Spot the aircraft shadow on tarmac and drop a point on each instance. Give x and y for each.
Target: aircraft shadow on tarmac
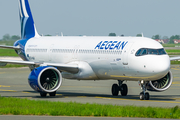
(130, 97)
(75, 94)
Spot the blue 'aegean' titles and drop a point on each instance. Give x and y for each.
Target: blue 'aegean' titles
(111, 45)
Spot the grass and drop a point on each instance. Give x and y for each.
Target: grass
(17, 106)
(8, 52)
(175, 62)
(7, 42)
(13, 66)
(173, 52)
(170, 45)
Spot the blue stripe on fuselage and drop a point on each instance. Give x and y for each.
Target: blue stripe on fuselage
(21, 52)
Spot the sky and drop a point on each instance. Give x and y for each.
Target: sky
(95, 17)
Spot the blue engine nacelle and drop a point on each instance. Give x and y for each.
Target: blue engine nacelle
(45, 79)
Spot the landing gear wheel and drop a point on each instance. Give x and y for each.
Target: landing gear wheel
(146, 96)
(43, 94)
(115, 90)
(124, 90)
(52, 94)
(141, 96)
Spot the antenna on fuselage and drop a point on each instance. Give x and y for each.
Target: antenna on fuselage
(142, 34)
(61, 34)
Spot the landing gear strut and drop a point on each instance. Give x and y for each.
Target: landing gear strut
(121, 87)
(144, 95)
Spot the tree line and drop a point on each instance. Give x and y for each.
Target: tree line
(8, 37)
(171, 39)
(155, 37)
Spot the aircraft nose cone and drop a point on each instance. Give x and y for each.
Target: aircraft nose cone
(161, 65)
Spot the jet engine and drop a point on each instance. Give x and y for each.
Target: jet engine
(161, 84)
(45, 79)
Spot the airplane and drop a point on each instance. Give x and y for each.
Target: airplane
(51, 58)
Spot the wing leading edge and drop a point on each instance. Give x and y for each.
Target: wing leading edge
(174, 58)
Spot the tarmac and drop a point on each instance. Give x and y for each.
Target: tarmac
(14, 83)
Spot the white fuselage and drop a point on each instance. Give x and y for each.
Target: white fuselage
(106, 57)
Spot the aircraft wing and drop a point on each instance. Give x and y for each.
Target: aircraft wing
(72, 68)
(175, 58)
(10, 47)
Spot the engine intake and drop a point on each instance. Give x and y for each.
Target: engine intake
(161, 84)
(45, 79)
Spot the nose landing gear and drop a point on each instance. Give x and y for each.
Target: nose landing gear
(144, 95)
(121, 87)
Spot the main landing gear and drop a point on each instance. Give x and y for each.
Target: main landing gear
(124, 90)
(144, 95)
(121, 87)
(44, 94)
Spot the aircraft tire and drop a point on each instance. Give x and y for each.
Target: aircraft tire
(43, 94)
(124, 90)
(115, 90)
(146, 96)
(52, 94)
(141, 96)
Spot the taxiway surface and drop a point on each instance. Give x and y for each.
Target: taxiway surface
(14, 83)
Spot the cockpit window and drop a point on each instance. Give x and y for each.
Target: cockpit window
(146, 51)
(153, 51)
(138, 52)
(161, 51)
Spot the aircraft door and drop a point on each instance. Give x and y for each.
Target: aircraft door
(50, 51)
(126, 53)
(75, 52)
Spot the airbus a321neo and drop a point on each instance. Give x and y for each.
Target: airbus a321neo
(51, 58)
